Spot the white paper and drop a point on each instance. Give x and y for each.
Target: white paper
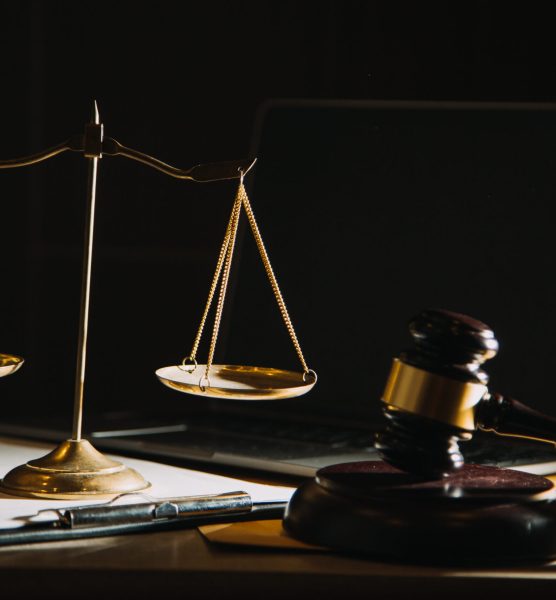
(166, 481)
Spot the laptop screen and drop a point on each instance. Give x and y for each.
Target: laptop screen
(373, 211)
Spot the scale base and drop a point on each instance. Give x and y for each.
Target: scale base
(74, 470)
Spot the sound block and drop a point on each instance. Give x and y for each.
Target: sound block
(477, 515)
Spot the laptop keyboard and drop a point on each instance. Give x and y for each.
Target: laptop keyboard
(506, 452)
(255, 429)
(212, 438)
(331, 437)
(275, 438)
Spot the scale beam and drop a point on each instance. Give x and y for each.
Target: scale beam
(110, 147)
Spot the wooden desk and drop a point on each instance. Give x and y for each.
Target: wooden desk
(181, 564)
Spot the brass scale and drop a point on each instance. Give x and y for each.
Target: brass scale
(75, 469)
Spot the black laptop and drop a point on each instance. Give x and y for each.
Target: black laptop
(372, 211)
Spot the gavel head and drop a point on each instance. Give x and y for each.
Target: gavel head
(431, 393)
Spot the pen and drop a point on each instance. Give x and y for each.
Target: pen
(231, 504)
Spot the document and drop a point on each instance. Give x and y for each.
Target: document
(166, 482)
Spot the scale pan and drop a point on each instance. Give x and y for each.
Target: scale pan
(9, 364)
(236, 382)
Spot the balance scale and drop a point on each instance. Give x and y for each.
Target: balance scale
(75, 469)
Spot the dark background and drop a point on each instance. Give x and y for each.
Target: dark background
(183, 81)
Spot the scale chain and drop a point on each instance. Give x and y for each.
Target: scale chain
(224, 282)
(223, 251)
(222, 273)
(272, 276)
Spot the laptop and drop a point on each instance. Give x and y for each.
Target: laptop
(370, 212)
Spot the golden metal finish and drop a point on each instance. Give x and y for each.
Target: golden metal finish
(9, 364)
(254, 375)
(35, 158)
(272, 277)
(110, 147)
(200, 173)
(434, 396)
(237, 382)
(531, 438)
(74, 470)
(230, 244)
(93, 145)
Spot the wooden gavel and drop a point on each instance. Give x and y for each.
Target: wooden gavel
(437, 395)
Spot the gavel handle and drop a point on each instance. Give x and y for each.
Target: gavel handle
(506, 416)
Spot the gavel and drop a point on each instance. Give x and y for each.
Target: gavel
(437, 395)
(421, 503)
